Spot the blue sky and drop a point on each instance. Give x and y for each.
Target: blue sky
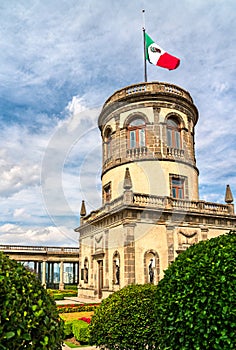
(60, 60)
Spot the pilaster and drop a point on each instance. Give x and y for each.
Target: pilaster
(170, 243)
(129, 253)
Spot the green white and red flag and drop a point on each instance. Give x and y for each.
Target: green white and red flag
(159, 57)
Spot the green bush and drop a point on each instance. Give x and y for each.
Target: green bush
(29, 318)
(68, 329)
(72, 287)
(80, 331)
(125, 319)
(196, 301)
(58, 296)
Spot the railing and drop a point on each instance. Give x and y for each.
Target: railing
(160, 202)
(146, 200)
(107, 207)
(176, 152)
(182, 204)
(39, 249)
(137, 152)
(154, 87)
(135, 89)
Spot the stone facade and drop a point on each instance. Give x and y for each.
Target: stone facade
(151, 210)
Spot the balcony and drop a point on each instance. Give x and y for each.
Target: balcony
(175, 152)
(143, 201)
(139, 152)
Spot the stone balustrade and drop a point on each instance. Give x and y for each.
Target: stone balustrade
(139, 152)
(39, 249)
(152, 87)
(176, 152)
(166, 203)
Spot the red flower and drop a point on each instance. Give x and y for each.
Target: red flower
(85, 319)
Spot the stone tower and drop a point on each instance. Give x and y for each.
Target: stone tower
(151, 209)
(150, 129)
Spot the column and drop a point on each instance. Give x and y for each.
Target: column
(61, 283)
(44, 274)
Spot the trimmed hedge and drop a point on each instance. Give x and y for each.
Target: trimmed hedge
(68, 329)
(29, 318)
(125, 320)
(195, 304)
(80, 331)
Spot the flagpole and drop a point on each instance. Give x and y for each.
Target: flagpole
(144, 48)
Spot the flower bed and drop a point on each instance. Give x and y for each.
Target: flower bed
(85, 319)
(76, 308)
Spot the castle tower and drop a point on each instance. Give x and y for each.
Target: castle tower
(150, 128)
(150, 210)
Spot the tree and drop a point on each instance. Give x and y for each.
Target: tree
(125, 319)
(29, 317)
(195, 306)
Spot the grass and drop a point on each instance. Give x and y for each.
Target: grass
(71, 345)
(70, 316)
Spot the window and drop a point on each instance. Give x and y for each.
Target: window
(108, 143)
(107, 193)
(136, 133)
(177, 187)
(173, 134)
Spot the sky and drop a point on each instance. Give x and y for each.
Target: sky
(60, 60)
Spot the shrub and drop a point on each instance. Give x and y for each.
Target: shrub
(72, 287)
(80, 331)
(196, 301)
(68, 329)
(125, 319)
(29, 317)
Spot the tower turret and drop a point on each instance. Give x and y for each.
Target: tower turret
(149, 127)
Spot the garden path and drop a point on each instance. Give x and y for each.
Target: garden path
(77, 300)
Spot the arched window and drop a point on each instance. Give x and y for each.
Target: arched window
(173, 133)
(136, 133)
(108, 143)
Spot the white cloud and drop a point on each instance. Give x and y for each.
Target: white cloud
(60, 58)
(46, 235)
(21, 213)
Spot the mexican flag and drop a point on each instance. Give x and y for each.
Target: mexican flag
(156, 55)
